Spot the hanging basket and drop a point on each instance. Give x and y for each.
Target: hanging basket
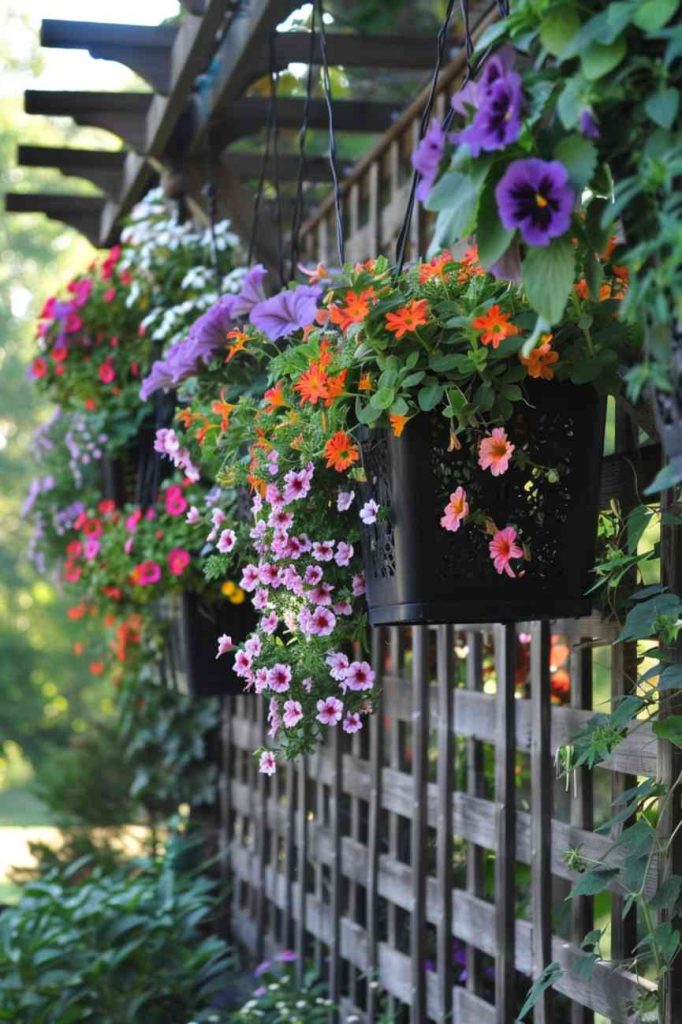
(418, 572)
(197, 622)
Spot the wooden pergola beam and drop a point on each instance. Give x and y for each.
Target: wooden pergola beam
(80, 212)
(351, 51)
(122, 113)
(249, 115)
(144, 49)
(102, 167)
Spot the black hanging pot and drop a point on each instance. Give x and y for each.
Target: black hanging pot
(119, 474)
(197, 622)
(417, 572)
(152, 467)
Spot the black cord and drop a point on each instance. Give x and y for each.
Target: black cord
(327, 88)
(270, 135)
(401, 245)
(297, 216)
(274, 85)
(211, 193)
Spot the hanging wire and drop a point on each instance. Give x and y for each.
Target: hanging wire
(271, 144)
(211, 193)
(401, 245)
(327, 89)
(297, 216)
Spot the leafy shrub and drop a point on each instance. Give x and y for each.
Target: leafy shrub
(117, 949)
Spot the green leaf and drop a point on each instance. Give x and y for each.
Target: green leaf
(669, 728)
(599, 58)
(549, 976)
(493, 240)
(548, 275)
(444, 362)
(382, 398)
(430, 396)
(558, 26)
(447, 191)
(594, 881)
(412, 379)
(651, 15)
(670, 678)
(662, 107)
(570, 103)
(640, 620)
(669, 476)
(667, 894)
(579, 156)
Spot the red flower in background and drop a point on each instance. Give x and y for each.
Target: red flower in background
(106, 373)
(39, 367)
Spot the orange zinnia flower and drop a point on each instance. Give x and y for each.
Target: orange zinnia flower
(398, 423)
(435, 267)
(335, 387)
(539, 363)
(340, 451)
(274, 397)
(312, 385)
(495, 326)
(408, 318)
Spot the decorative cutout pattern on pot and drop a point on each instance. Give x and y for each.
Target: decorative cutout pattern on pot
(418, 572)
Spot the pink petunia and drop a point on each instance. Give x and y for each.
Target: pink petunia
(260, 600)
(224, 645)
(344, 553)
(503, 549)
(455, 511)
(250, 577)
(260, 678)
(352, 722)
(321, 594)
(242, 663)
(329, 711)
(226, 541)
(495, 451)
(344, 500)
(296, 485)
(92, 547)
(338, 664)
(293, 713)
(312, 575)
(369, 512)
(253, 645)
(322, 622)
(268, 763)
(358, 584)
(323, 551)
(193, 516)
(176, 502)
(280, 520)
(269, 623)
(359, 676)
(279, 678)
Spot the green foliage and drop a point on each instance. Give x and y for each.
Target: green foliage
(121, 947)
(279, 998)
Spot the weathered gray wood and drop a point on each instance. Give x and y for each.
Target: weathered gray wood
(541, 814)
(374, 837)
(335, 895)
(79, 212)
(122, 113)
(446, 785)
(301, 867)
(420, 742)
(475, 778)
(505, 799)
(582, 809)
(101, 166)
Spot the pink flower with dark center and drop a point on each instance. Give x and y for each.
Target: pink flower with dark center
(274, 718)
(280, 520)
(260, 600)
(145, 574)
(259, 530)
(352, 722)
(107, 373)
(268, 763)
(133, 519)
(293, 548)
(250, 578)
(322, 622)
(342, 608)
(256, 503)
(321, 594)
(273, 496)
(338, 664)
(359, 676)
(279, 678)
(503, 548)
(224, 645)
(304, 621)
(305, 542)
(293, 713)
(226, 541)
(253, 645)
(92, 547)
(242, 663)
(455, 511)
(218, 517)
(260, 679)
(269, 623)
(129, 545)
(292, 581)
(313, 575)
(175, 500)
(269, 575)
(358, 584)
(344, 553)
(329, 711)
(495, 451)
(307, 684)
(193, 516)
(323, 551)
(369, 512)
(272, 459)
(166, 442)
(296, 485)
(345, 500)
(178, 560)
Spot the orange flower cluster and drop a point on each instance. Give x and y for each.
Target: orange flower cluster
(355, 309)
(469, 266)
(541, 360)
(408, 318)
(435, 268)
(495, 326)
(316, 385)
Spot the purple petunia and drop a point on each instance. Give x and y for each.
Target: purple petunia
(426, 159)
(208, 332)
(535, 197)
(287, 312)
(252, 291)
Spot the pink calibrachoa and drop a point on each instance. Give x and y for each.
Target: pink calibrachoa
(352, 722)
(329, 711)
(268, 763)
(455, 511)
(495, 452)
(293, 713)
(279, 678)
(226, 541)
(175, 501)
(178, 560)
(224, 645)
(503, 548)
(359, 676)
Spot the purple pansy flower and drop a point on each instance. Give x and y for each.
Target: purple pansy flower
(252, 291)
(287, 312)
(588, 125)
(498, 121)
(535, 197)
(426, 159)
(508, 267)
